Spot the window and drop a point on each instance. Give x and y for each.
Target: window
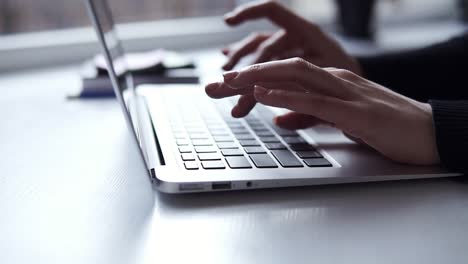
(38, 15)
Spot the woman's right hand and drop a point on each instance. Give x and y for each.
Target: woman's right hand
(296, 38)
(400, 128)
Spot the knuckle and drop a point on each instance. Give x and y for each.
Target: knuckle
(254, 68)
(345, 74)
(272, 4)
(300, 68)
(299, 63)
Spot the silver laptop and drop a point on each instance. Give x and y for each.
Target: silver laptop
(190, 143)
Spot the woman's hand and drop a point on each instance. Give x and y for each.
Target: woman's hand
(396, 126)
(297, 37)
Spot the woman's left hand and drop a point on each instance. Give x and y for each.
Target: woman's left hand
(396, 126)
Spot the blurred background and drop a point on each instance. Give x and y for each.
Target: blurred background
(18, 16)
(51, 32)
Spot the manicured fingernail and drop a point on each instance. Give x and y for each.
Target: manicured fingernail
(230, 75)
(260, 91)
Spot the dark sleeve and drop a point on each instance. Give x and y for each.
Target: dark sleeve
(438, 74)
(435, 72)
(451, 128)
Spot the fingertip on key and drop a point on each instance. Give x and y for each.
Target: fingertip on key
(227, 67)
(210, 88)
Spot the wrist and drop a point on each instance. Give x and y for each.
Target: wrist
(432, 150)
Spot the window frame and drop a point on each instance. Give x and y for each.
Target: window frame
(60, 47)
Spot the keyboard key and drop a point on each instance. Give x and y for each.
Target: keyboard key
(320, 162)
(263, 161)
(264, 133)
(294, 140)
(234, 123)
(244, 136)
(191, 165)
(199, 136)
(236, 126)
(238, 163)
(308, 154)
(182, 142)
(213, 123)
(195, 131)
(223, 138)
(227, 145)
(284, 132)
(219, 132)
(212, 165)
(205, 149)
(301, 147)
(286, 158)
(271, 146)
(272, 139)
(232, 152)
(202, 142)
(239, 131)
(180, 136)
(260, 128)
(254, 150)
(187, 157)
(185, 149)
(209, 156)
(249, 143)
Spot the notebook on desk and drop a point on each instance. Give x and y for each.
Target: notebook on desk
(153, 67)
(190, 143)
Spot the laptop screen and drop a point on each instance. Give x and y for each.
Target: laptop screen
(113, 52)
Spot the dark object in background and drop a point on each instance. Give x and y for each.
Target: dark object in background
(356, 18)
(463, 7)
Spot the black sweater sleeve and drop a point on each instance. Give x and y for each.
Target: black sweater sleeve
(438, 74)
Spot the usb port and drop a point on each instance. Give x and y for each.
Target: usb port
(221, 186)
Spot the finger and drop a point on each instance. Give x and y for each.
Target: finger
(243, 48)
(245, 104)
(343, 74)
(220, 90)
(274, 11)
(355, 139)
(309, 76)
(225, 51)
(294, 121)
(271, 47)
(329, 109)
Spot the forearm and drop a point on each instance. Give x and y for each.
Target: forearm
(434, 72)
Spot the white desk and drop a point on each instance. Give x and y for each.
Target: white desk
(72, 190)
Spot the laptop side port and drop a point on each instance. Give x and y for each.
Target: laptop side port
(221, 186)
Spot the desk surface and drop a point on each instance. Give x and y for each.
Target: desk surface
(72, 190)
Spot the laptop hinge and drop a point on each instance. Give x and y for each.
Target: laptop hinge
(148, 138)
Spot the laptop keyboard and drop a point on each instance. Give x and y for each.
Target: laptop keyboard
(208, 137)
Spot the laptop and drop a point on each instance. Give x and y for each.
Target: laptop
(190, 143)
